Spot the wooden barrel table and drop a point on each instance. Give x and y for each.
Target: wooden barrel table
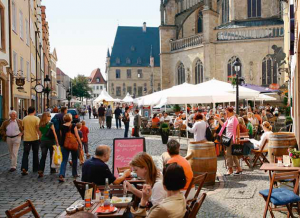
(203, 159)
(279, 143)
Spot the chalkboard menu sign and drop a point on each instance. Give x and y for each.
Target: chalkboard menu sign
(124, 150)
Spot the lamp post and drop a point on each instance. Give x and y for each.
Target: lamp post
(237, 68)
(47, 89)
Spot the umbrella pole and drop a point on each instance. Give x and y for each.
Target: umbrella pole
(186, 129)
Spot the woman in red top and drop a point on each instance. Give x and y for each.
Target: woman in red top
(85, 131)
(155, 119)
(243, 128)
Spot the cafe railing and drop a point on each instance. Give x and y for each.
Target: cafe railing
(250, 33)
(187, 42)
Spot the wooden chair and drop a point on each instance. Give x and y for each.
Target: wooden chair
(281, 196)
(154, 128)
(193, 210)
(196, 180)
(21, 210)
(122, 169)
(260, 155)
(81, 188)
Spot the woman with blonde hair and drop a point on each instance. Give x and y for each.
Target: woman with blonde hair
(143, 165)
(243, 128)
(252, 118)
(47, 136)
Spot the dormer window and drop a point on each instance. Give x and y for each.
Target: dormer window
(128, 61)
(139, 61)
(98, 80)
(118, 61)
(132, 48)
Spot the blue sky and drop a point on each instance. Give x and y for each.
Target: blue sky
(81, 33)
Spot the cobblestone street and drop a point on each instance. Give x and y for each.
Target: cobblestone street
(237, 196)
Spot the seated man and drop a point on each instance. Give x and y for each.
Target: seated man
(173, 150)
(96, 170)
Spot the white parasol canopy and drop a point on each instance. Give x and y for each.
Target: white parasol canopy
(128, 99)
(263, 97)
(71, 101)
(104, 96)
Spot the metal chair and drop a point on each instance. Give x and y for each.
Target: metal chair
(21, 210)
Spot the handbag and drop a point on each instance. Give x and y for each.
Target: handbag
(226, 140)
(57, 157)
(71, 142)
(49, 134)
(237, 149)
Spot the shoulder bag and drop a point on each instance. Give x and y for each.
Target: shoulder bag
(237, 149)
(71, 142)
(226, 140)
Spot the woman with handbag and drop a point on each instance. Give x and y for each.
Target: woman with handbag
(126, 120)
(232, 137)
(70, 142)
(47, 136)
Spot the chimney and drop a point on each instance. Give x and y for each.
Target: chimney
(144, 27)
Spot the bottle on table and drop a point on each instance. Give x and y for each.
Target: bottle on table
(87, 198)
(98, 195)
(106, 194)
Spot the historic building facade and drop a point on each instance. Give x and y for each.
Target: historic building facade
(134, 65)
(54, 85)
(97, 82)
(201, 39)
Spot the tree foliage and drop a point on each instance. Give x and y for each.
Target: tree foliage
(80, 87)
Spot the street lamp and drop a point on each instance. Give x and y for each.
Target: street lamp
(237, 68)
(47, 90)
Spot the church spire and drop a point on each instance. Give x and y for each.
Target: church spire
(108, 53)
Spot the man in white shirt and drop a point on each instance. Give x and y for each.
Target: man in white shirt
(199, 128)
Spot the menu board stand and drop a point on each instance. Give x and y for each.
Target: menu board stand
(124, 149)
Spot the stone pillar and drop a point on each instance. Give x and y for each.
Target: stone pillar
(170, 12)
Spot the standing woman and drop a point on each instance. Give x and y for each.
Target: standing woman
(66, 127)
(233, 132)
(47, 142)
(126, 121)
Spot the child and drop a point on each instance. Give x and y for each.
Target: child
(80, 151)
(85, 131)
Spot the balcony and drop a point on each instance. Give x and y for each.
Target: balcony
(188, 42)
(252, 34)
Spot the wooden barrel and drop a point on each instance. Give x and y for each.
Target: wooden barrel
(279, 143)
(203, 160)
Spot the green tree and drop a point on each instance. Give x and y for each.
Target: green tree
(80, 87)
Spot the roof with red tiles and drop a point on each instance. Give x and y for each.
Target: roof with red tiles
(59, 72)
(97, 74)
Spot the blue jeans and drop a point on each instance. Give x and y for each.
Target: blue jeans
(118, 123)
(126, 129)
(65, 154)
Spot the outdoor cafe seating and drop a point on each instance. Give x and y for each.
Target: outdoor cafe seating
(21, 210)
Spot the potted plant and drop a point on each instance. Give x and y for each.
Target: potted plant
(295, 156)
(164, 132)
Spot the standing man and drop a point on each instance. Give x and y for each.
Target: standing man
(137, 123)
(108, 117)
(101, 115)
(118, 113)
(12, 130)
(31, 140)
(58, 121)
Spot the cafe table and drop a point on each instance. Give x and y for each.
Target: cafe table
(242, 142)
(119, 213)
(271, 167)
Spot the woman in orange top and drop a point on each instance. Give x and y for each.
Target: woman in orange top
(155, 119)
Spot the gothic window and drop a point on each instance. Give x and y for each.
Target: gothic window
(254, 8)
(128, 61)
(158, 87)
(180, 74)
(128, 74)
(118, 91)
(118, 61)
(225, 11)
(230, 68)
(269, 71)
(140, 73)
(199, 74)
(129, 90)
(140, 90)
(134, 88)
(200, 22)
(118, 74)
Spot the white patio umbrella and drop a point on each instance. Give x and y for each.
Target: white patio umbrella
(104, 96)
(263, 97)
(127, 99)
(71, 101)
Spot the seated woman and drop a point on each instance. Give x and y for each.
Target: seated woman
(254, 144)
(243, 128)
(248, 125)
(178, 121)
(174, 205)
(155, 119)
(143, 165)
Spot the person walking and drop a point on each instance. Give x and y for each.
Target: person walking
(126, 120)
(108, 117)
(58, 121)
(199, 128)
(66, 127)
(137, 123)
(233, 132)
(85, 141)
(118, 113)
(90, 111)
(12, 130)
(31, 140)
(101, 116)
(48, 133)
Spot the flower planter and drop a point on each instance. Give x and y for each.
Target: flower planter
(164, 135)
(296, 162)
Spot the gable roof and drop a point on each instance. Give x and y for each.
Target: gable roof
(97, 74)
(54, 54)
(132, 47)
(59, 72)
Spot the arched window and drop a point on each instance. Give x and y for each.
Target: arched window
(230, 68)
(254, 8)
(225, 11)
(200, 22)
(269, 71)
(199, 74)
(180, 74)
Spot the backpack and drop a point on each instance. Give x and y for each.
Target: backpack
(56, 123)
(71, 142)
